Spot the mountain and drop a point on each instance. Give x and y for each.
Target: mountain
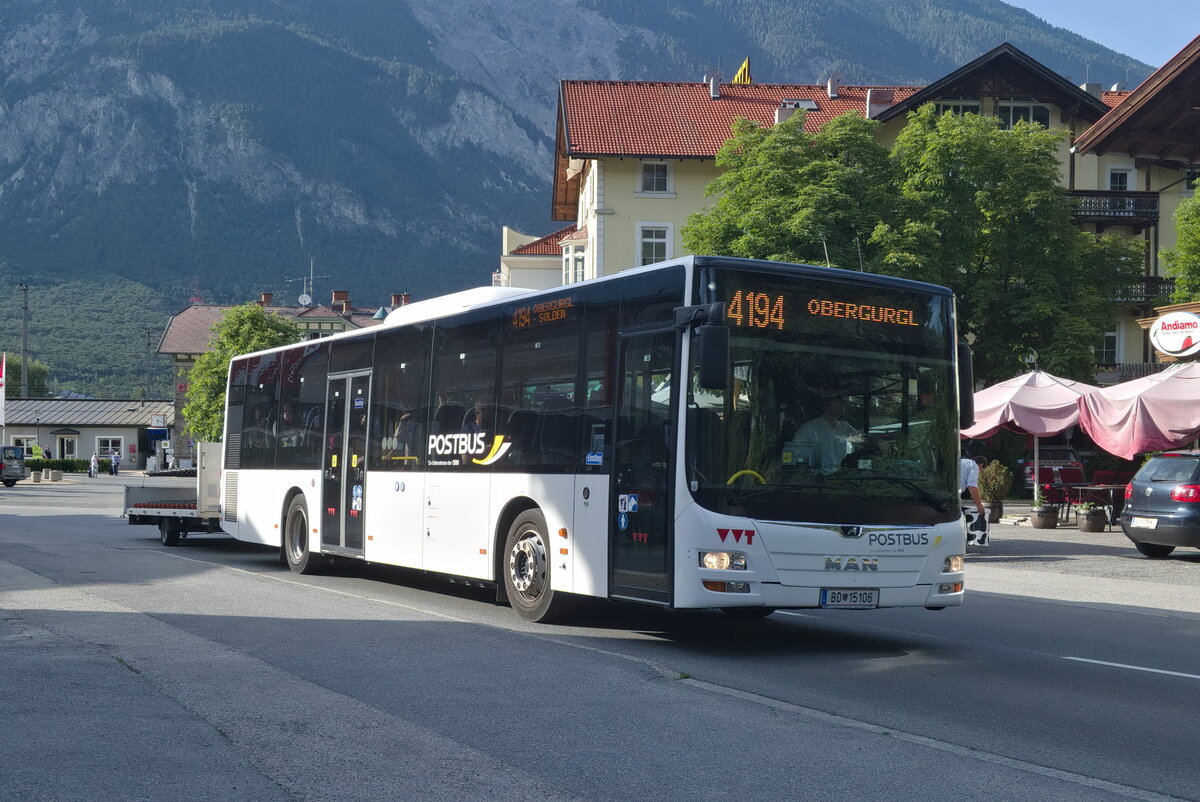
(160, 145)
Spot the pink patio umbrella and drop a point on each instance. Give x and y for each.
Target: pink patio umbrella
(1148, 414)
(1035, 403)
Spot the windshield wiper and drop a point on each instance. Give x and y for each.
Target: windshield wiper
(736, 501)
(926, 496)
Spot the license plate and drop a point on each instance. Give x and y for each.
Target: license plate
(849, 597)
(1143, 523)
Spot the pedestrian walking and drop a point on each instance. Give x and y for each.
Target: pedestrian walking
(94, 466)
(116, 463)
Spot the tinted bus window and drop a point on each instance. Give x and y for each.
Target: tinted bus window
(352, 354)
(301, 406)
(235, 399)
(463, 393)
(539, 372)
(651, 299)
(599, 358)
(260, 419)
(397, 434)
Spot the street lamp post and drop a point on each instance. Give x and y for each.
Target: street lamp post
(37, 431)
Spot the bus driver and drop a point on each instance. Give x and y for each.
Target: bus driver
(824, 441)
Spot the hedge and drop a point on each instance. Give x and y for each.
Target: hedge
(64, 465)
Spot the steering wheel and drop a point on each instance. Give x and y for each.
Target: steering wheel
(740, 474)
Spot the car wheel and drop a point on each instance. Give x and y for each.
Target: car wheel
(168, 532)
(9, 482)
(295, 539)
(1154, 551)
(528, 567)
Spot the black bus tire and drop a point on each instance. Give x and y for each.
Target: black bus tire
(295, 540)
(528, 567)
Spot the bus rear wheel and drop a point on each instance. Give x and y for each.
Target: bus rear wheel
(295, 538)
(527, 570)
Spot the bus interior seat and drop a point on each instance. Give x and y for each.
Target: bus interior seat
(448, 418)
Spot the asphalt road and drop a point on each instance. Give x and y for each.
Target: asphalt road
(133, 671)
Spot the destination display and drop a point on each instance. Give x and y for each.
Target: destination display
(545, 312)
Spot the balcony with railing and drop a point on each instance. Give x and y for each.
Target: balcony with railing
(1112, 208)
(1118, 372)
(1147, 290)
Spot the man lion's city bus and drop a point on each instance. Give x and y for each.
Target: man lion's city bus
(704, 432)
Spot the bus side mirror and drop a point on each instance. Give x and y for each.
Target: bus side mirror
(712, 357)
(966, 387)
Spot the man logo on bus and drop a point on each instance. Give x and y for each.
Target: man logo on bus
(468, 445)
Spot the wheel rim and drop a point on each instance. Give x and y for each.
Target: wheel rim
(297, 536)
(527, 565)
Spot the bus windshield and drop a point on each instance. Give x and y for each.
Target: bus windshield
(840, 408)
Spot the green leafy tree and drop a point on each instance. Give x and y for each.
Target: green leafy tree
(39, 377)
(1183, 261)
(794, 196)
(242, 329)
(983, 211)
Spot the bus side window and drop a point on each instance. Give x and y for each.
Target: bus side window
(396, 439)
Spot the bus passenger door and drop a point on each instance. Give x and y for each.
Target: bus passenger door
(641, 541)
(343, 493)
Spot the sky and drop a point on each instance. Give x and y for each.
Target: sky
(1150, 30)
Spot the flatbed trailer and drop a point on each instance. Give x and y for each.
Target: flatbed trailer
(176, 510)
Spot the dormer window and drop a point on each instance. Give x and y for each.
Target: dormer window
(656, 179)
(957, 107)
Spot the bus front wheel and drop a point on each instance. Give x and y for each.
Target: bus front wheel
(295, 538)
(527, 570)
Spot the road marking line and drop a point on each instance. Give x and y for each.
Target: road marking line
(1133, 668)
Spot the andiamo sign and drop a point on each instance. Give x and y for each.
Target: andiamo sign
(1176, 333)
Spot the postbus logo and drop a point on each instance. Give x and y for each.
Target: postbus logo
(473, 445)
(1176, 333)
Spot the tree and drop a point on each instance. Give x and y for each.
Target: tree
(983, 212)
(1183, 261)
(39, 377)
(242, 329)
(793, 196)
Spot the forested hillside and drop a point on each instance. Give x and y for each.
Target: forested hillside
(148, 146)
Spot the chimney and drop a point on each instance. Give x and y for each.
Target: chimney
(405, 299)
(878, 100)
(1091, 87)
(341, 301)
(396, 300)
(714, 86)
(265, 299)
(831, 87)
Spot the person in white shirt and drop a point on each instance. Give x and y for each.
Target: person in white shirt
(824, 441)
(968, 485)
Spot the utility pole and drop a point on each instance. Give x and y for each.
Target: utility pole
(24, 340)
(146, 387)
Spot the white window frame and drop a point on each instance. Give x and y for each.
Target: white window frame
(957, 107)
(25, 442)
(1118, 346)
(641, 192)
(639, 238)
(566, 264)
(1004, 111)
(118, 438)
(1127, 170)
(60, 440)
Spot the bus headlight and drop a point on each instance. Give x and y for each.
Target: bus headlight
(723, 560)
(953, 565)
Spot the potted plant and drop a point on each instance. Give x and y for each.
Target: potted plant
(995, 482)
(1043, 515)
(1091, 517)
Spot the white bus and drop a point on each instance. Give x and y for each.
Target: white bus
(705, 432)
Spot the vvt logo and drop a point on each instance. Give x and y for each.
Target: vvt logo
(738, 534)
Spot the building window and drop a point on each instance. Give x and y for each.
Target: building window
(25, 444)
(579, 264)
(1013, 113)
(1190, 179)
(958, 107)
(67, 447)
(566, 264)
(107, 446)
(1107, 352)
(657, 179)
(654, 242)
(1118, 179)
